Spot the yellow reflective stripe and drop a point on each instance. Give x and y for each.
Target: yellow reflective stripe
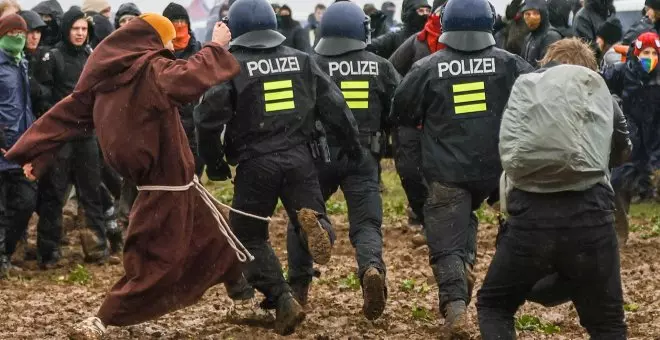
(357, 105)
(470, 108)
(278, 85)
(271, 96)
(353, 85)
(356, 94)
(270, 107)
(465, 98)
(469, 87)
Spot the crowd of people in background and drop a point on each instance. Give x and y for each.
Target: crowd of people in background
(43, 53)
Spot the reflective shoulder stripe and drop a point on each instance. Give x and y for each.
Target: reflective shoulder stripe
(274, 97)
(289, 105)
(469, 87)
(357, 105)
(356, 94)
(353, 85)
(471, 96)
(472, 108)
(277, 85)
(271, 96)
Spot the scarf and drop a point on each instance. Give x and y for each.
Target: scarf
(182, 36)
(431, 32)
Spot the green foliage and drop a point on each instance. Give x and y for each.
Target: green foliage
(223, 191)
(487, 215)
(652, 233)
(351, 282)
(421, 313)
(534, 324)
(336, 207)
(410, 285)
(631, 307)
(650, 229)
(79, 275)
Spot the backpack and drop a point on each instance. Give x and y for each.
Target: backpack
(556, 131)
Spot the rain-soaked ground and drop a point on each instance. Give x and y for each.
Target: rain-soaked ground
(42, 305)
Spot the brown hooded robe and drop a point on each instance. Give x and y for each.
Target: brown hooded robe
(129, 92)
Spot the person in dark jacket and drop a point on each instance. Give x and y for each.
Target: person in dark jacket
(608, 35)
(126, 13)
(17, 193)
(270, 115)
(637, 82)
(460, 105)
(378, 20)
(51, 13)
(99, 11)
(645, 24)
(388, 8)
(587, 21)
(33, 53)
(314, 22)
(567, 232)
(185, 46)
(296, 36)
(560, 13)
(407, 153)
(414, 15)
(512, 35)
(541, 35)
(59, 70)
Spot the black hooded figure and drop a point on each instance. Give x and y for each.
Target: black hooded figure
(385, 45)
(590, 17)
(560, 13)
(128, 8)
(51, 12)
(541, 33)
(296, 36)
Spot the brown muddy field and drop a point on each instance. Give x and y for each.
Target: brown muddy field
(42, 305)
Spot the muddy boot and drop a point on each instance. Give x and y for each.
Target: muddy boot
(5, 266)
(300, 291)
(456, 322)
(622, 205)
(90, 329)
(374, 294)
(94, 248)
(318, 240)
(239, 290)
(288, 315)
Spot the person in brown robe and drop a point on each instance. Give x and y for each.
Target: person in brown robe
(129, 92)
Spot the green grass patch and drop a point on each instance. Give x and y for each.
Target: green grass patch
(530, 323)
(79, 275)
(350, 282)
(410, 285)
(631, 307)
(421, 313)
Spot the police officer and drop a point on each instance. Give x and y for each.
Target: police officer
(368, 83)
(269, 110)
(459, 93)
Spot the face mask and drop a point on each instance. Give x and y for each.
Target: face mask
(649, 64)
(182, 36)
(13, 45)
(389, 13)
(533, 22)
(418, 21)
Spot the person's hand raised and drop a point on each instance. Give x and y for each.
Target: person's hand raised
(221, 34)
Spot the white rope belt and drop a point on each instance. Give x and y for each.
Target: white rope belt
(241, 252)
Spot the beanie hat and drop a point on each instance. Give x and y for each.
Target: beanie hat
(174, 11)
(97, 6)
(654, 4)
(645, 40)
(12, 22)
(611, 30)
(162, 25)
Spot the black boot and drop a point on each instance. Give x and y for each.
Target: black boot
(456, 321)
(374, 293)
(239, 290)
(288, 315)
(94, 247)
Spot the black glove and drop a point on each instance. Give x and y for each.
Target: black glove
(219, 171)
(354, 153)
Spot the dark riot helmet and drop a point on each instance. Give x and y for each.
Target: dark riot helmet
(253, 24)
(467, 25)
(344, 28)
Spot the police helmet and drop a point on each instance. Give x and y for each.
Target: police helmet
(467, 25)
(253, 24)
(344, 28)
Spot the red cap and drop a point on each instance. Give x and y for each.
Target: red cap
(646, 40)
(12, 22)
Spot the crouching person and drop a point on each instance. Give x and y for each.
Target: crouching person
(555, 150)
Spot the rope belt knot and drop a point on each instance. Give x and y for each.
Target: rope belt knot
(242, 253)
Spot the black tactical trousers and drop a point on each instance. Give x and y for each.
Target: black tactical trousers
(451, 232)
(586, 258)
(189, 127)
(78, 159)
(359, 183)
(290, 176)
(129, 193)
(18, 199)
(408, 160)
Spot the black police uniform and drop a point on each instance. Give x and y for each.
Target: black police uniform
(460, 97)
(60, 70)
(368, 83)
(270, 109)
